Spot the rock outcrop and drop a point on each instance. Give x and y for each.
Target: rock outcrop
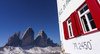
(51, 43)
(13, 40)
(42, 40)
(27, 37)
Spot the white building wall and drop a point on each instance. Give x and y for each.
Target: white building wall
(71, 6)
(87, 44)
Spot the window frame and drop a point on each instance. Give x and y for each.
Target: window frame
(86, 17)
(71, 29)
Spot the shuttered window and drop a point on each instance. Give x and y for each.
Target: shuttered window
(86, 18)
(94, 7)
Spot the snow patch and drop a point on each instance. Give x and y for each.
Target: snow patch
(34, 50)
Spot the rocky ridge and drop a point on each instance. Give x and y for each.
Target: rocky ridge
(42, 40)
(13, 40)
(27, 39)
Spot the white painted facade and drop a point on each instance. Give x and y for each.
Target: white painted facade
(85, 44)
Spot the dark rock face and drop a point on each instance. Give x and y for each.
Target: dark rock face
(50, 43)
(13, 40)
(42, 40)
(27, 37)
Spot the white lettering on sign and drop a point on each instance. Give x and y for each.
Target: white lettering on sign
(98, 1)
(66, 2)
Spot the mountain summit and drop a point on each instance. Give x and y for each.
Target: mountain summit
(27, 37)
(42, 40)
(42, 34)
(27, 45)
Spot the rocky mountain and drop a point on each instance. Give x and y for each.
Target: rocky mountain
(51, 43)
(28, 45)
(13, 40)
(27, 37)
(42, 40)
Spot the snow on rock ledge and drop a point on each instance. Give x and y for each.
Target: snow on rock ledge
(34, 50)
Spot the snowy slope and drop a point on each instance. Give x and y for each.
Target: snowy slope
(34, 50)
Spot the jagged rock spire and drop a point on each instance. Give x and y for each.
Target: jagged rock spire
(27, 37)
(42, 40)
(42, 34)
(13, 40)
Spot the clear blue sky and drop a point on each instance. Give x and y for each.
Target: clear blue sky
(18, 15)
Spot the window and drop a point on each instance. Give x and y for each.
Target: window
(70, 30)
(86, 19)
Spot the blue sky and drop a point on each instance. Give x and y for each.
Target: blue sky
(18, 15)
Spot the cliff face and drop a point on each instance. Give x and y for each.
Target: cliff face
(27, 39)
(42, 40)
(13, 40)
